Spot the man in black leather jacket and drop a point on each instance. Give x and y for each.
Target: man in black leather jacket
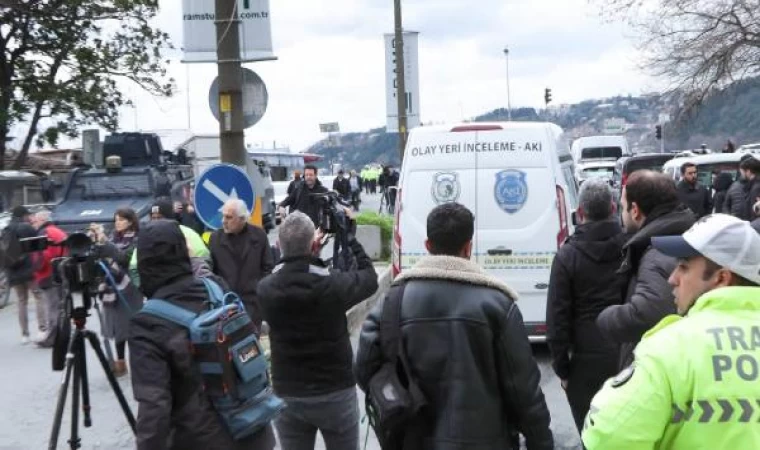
(583, 282)
(467, 348)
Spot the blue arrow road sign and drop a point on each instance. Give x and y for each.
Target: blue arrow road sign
(215, 186)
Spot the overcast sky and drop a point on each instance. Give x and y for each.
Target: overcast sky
(331, 64)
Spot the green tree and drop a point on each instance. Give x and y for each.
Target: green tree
(60, 61)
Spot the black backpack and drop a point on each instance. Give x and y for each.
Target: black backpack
(10, 248)
(394, 399)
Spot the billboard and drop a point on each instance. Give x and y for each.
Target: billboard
(411, 79)
(331, 127)
(199, 31)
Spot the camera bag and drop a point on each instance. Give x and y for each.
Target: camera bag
(393, 399)
(230, 358)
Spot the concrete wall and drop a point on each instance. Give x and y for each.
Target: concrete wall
(369, 237)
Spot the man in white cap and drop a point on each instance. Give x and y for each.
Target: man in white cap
(695, 379)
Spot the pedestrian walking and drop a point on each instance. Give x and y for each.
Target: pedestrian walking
(20, 270)
(43, 275)
(751, 169)
(356, 189)
(305, 306)
(173, 409)
(694, 383)
(650, 208)
(584, 281)
(691, 193)
(295, 182)
(241, 255)
(342, 186)
(464, 342)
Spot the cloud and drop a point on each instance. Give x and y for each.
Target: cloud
(331, 63)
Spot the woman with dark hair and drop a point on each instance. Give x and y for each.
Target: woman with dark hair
(121, 301)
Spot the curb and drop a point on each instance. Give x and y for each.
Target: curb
(356, 315)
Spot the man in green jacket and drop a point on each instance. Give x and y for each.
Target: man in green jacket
(695, 381)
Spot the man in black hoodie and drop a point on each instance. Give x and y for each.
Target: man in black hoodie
(173, 410)
(584, 281)
(650, 208)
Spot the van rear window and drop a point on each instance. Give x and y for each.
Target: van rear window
(601, 152)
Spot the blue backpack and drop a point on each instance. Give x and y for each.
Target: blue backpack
(230, 358)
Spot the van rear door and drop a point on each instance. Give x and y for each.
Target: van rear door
(518, 215)
(435, 171)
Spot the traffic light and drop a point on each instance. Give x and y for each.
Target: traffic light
(658, 132)
(548, 96)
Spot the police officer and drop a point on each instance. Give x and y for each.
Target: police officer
(694, 381)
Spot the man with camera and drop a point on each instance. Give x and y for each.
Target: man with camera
(304, 197)
(305, 306)
(43, 275)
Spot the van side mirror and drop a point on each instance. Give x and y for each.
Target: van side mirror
(574, 218)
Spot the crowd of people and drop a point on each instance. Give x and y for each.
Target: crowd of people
(652, 323)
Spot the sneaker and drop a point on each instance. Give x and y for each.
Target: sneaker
(40, 336)
(25, 340)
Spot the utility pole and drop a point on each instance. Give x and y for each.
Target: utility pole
(231, 132)
(400, 79)
(509, 99)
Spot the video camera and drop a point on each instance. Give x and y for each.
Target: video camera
(76, 272)
(333, 218)
(336, 221)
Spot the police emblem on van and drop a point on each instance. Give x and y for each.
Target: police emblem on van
(446, 187)
(511, 190)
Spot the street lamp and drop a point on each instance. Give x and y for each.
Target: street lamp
(509, 101)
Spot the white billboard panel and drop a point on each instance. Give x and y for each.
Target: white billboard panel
(411, 79)
(199, 40)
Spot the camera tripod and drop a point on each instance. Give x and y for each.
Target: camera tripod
(76, 363)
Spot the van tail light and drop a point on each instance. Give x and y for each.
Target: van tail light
(624, 180)
(564, 230)
(396, 246)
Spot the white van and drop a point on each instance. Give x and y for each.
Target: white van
(706, 166)
(516, 178)
(600, 148)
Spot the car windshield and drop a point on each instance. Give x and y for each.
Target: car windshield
(598, 172)
(601, 152)
(91, 186)
(645, 164)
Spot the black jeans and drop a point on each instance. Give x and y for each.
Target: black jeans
(335, 415)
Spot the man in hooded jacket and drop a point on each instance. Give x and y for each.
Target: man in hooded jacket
(174, 412)
(583, 282)
(650, 208)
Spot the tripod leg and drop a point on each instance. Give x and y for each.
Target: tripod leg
(95, 342)
(62, 391)
(85, 385)
(78, 346)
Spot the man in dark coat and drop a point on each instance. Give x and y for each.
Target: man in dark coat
(241, 255)
(650, 208)
(721, 185)
(303, 197)
(21, 274)
(305, 306)
(342, 186)
(295, 182)
(467, 348)
(691, 194)
(173, 411)
(750, 168)
(584, 281)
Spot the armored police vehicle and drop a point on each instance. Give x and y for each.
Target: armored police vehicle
(135, 172)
